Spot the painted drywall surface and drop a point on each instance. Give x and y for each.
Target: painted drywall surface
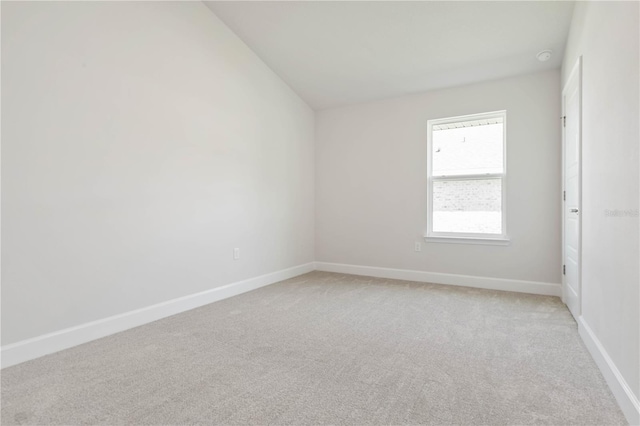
(606, 34)
(371, 166)
(141, 143)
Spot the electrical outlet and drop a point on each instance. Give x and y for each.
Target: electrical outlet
(236, 253)
(418, 247)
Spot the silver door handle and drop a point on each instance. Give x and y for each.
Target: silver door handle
(574, 210)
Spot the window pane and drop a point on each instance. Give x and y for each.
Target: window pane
(470, 206)
(475, 149)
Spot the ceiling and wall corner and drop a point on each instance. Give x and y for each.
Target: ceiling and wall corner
(337, 53)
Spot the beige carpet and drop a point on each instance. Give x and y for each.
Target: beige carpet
(328, 348)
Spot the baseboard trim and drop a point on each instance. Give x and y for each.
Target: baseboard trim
(531, 287)
(627, 401)
(36, 347)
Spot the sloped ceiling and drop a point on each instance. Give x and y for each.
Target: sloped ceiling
(336, 53)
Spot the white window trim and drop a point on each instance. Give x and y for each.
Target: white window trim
(461, 237)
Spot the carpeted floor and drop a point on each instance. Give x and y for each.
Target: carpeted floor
(328, 348)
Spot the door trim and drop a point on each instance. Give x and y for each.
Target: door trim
(576, 72)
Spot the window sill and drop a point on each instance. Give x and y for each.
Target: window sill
(469, 240)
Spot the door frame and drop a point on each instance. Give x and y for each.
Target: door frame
(576, 72)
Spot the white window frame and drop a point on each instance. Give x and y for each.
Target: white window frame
(465, 237)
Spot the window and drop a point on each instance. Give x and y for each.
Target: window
(466, 179)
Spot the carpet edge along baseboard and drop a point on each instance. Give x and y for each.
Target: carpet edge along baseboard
(25, 350)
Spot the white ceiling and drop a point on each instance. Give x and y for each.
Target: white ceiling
(335, 53)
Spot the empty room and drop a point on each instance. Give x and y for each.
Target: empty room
(320, 212)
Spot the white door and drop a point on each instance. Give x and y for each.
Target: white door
(572, 125)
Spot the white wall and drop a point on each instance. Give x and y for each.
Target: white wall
(141, 143)
(606, 34)
(371, 162)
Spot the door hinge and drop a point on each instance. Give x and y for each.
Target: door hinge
(564, 121)
(564, 269)
(564, 195)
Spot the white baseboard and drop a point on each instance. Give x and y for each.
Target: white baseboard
(29, 349)
(53, 342)
(532, 287)
(627, 401)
